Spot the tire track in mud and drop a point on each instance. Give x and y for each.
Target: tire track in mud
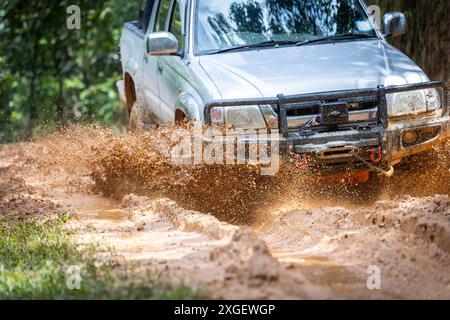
(308, 239)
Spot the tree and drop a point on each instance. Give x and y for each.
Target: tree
(52, 74)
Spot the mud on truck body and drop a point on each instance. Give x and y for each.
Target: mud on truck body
(320, 73)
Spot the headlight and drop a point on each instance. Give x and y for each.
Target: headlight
(246, 117)
(413, 102)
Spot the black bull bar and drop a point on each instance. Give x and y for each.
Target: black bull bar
(286, 103)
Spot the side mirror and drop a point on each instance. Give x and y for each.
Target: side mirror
(394, 24)
(162, 44)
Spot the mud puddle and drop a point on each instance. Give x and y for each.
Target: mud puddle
(89, 208)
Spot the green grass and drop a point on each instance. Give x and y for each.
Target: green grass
(34, 259)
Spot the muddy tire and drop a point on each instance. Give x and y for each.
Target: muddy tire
(140, 119)
(135, 118)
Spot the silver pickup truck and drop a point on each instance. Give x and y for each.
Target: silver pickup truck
(320, 73)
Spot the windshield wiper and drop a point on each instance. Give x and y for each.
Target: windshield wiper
(333, 38)
(275, 43)
(263, 44)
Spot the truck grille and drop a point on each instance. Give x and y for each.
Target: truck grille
(360, 110)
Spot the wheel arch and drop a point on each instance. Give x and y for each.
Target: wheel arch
(187, 105)
(130, 91)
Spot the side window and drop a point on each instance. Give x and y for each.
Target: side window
(175, 26)
(161, 18)
(148, 13)
(144, 14)
(141, 15)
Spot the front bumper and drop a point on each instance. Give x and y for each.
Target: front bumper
(333, 152)
(333, 148)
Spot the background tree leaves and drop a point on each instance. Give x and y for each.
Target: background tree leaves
(49, 74)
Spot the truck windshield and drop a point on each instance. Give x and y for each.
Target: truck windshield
(223, 24)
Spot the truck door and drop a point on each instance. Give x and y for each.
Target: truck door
(172, 68)
(150, 84)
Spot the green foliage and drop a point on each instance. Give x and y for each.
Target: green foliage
(51, 74)
(34, 259)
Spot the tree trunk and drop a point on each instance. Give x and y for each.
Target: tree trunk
(32, 113)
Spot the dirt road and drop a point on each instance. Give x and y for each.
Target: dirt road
(232, 232)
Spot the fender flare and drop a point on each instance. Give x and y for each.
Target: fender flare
(189, 104)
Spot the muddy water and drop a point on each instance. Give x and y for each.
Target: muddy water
(90, 208)
(319, 269)
(308, 238)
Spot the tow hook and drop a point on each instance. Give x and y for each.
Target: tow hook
(378, 157)
(387, 173)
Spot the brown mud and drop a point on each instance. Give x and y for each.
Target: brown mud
(229, 230)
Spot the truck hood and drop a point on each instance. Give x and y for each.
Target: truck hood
(310, 68)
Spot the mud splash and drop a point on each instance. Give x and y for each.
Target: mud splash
(239, 194)
(117, 164)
